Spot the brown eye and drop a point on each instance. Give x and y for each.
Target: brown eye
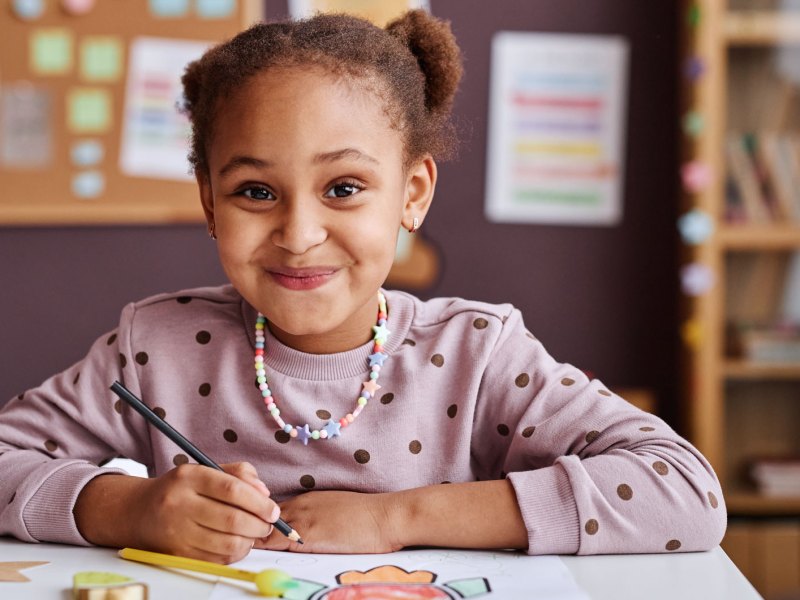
(257, 193)
(343, 190)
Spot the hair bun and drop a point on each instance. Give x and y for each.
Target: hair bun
(433, 44)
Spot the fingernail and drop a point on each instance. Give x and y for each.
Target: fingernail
(276, 512)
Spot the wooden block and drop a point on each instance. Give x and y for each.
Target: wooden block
(96, 585)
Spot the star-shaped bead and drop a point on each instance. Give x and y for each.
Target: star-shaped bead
(303, 434)
(371, 386)
(332, 427)
(377, 359)
(381, 333)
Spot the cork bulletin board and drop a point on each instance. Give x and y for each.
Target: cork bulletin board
(89, 131)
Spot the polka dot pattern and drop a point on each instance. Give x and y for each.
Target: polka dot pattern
(415, 447)
(660, 467)
(528, 431)
(204, 389)
(180, 459)
(123, 362)
(77, 377)
(409, 342)
(203, 337)
(282, 437)
(567, 381)
(712, 500)
(323, 414)
(673, 545)
(387, 398)
(522, 380)
(592, 436)
(111, 339)
(503, 429)
(160, 412)
(361, 456)
(21, 396)
(437, 360)
(452, 411)
(230, 436)
(308, 482)
(591, 527)
(480, 323)
(141, 358)
(604, 393)
(624, 491)
(118, 406)
(647, 428)
(50, 446)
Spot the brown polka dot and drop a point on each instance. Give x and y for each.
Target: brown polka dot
(673, 545)
(522, 380)
(203, 337)
(592, 436)
(361, 456)
(624, 491)
(282, 437)
(160, 412)
(591, 526)
(13, 495)
(230, 435)
(111, 339)
(118, 406)
(528, 431)
(122, 360)
(307, 481)
(415, 447)
(204, 389)
(502, 429)
(452, 411)
(141, 358)
(660, 467)
(387, 398)
(180, 459)
(567, 381)
(21, 396)
(323, 414)
(480, 323)
(604, 392)
(445, 481)
(437, 360)
(712, 499)
(409, 342)
(50, 446)
(647, 428)
(77, 376)
(184, 299)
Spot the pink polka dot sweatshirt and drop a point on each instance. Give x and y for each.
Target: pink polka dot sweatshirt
(467, 394)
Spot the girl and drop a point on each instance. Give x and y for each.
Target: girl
(379, 421)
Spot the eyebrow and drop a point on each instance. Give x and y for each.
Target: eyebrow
(238, 162)
(351, 153)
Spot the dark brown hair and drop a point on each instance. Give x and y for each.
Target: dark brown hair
(414, 61)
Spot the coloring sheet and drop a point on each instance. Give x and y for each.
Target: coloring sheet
(411, 575)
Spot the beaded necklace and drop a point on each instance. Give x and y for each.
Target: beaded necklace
(332, 429)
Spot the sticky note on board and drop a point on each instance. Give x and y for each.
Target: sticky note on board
(169, 8)
(28, 10)
(86, 153)
(215, 9)
(51, 51)
(26, 126)
(88, 184)
(88, 110)
(101, 58)
(77, 7)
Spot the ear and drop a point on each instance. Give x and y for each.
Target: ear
(206, 196)
(420, 185)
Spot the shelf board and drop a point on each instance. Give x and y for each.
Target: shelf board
(775, 236)
(745, 369)
(750, 502)
(761, 28)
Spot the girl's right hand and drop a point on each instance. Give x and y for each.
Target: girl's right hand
(191, 511)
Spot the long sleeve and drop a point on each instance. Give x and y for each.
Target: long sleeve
(592, 473)
(53, 437)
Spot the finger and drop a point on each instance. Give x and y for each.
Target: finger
(246, 472)
(225, 518)
(231, 490)
(221, 547)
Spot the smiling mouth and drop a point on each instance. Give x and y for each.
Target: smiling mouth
(302, 279)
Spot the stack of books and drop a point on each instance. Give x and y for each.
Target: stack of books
(777, 476)
(773, 345)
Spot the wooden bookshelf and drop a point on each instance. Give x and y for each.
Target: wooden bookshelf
(743, 369)
(778, 236)
(750, 502)
(761, 28)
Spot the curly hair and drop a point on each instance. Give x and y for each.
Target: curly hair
(415, 62)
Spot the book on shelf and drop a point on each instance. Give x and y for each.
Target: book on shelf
(776, 345)
(776, 476)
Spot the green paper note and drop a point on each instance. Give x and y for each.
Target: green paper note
(51, 51)
(88, 110)
(101, 58)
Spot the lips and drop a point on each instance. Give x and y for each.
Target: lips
(306, 278)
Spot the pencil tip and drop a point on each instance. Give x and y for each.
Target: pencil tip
(299, 541)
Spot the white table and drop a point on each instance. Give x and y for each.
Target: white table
(685, 576)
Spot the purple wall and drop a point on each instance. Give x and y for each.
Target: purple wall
(603, 299)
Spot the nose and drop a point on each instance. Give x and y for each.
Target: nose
(300, 227)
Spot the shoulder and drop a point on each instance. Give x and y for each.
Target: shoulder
(443, 311)
(205, 297)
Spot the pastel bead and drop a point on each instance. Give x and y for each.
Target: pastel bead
(343, 422)
(270, 406)
(362, 401)
(373, 375)
(287, 428)
(275, 411)
(281, 423)
(293, 432)
(357, 411)
(315, 434)
(265, 395)
(323, 434)
(349, 417)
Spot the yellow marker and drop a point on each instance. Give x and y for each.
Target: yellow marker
(270, 582)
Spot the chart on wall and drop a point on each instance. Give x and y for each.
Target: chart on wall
(90, 132)
(556, 128)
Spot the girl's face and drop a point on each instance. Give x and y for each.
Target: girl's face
(306, 191)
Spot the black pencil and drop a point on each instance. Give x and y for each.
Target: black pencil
(185, 445)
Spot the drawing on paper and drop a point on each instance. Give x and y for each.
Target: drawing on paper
(388, 582)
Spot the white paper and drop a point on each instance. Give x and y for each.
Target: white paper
(375, 11)
(455, 574)
(556, 128)
(155, 135)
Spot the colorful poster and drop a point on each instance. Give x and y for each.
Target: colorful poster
(556, 129)
(155, 135)
(379, 13)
